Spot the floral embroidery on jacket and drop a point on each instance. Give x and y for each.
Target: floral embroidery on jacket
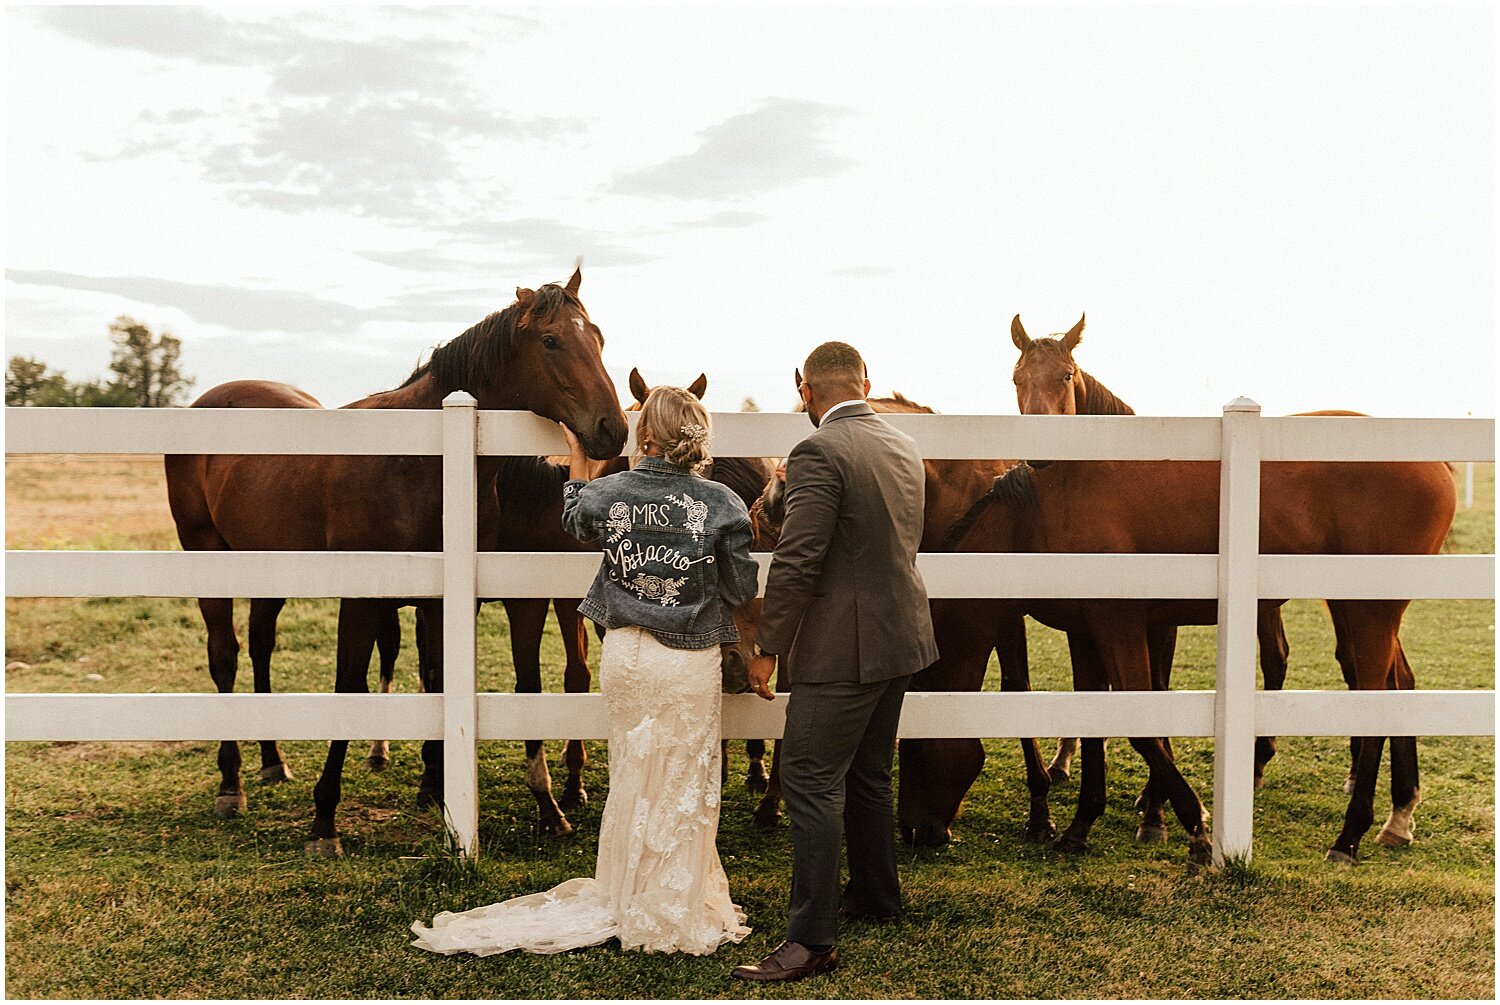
(618, 521)
(656, 588)
(697, 513)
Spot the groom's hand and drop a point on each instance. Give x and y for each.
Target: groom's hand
(761, 668)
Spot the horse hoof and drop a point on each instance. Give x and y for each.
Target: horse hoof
(428, 798)
(329, 848)
(274, 773)
(1059, 775)
(573, 799)
(554, 828)
(1037, 832)
(757, 784)
(1200, 852)
(1070, 844)
(1260, 782)
(766, 820)
(931, 836)
(230, 806)
(377, 763)
(1340, 858)
(1393, 839)
(1151, 833)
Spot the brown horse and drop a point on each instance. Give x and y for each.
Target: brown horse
(1306, 508)
(540, 354)
(1049, 382)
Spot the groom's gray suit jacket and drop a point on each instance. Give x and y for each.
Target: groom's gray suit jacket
(844, 600)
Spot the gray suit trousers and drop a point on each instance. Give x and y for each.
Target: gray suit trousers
(836, 778)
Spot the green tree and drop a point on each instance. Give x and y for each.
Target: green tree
(24, 378)
(145, 365)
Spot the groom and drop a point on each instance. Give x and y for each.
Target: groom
(846, 608)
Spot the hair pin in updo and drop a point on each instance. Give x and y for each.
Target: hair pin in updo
(694, 432)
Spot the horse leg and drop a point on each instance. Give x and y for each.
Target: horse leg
(388, 648)
(223, 665)
(1366, 631)
(1060, 770)
(1405, 790)
(1161, 641)
(755, 770)
(1274, 651)
(576, 680)
(1088, 675)
(528, 618)
(1015, 675)
(1121, 636)
(262, 632)
(356, 641)
(1345, 658)
(768, 809)
(430, 670)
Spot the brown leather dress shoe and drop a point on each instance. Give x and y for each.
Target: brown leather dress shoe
(790, 961)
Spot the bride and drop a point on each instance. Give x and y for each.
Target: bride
(676, 561)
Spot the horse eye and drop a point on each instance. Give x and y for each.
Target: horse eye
(550, 342)
(1067, 376)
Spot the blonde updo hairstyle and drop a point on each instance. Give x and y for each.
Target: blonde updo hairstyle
(674, 421)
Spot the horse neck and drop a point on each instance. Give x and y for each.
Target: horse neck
(1098, 399)
(420, 393)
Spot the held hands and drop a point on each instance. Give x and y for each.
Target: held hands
(578, 461)
(761, 668)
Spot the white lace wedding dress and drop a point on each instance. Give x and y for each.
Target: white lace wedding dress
(658, 884)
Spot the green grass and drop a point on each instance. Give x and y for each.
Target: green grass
(120, 882)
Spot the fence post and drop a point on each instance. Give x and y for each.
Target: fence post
(1239, 585)
(460, 586)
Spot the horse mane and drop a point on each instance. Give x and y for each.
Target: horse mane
(899, 402)
(746, 477)
(478, 355)
(529, 484)
(1015, 489)
(1098, 399)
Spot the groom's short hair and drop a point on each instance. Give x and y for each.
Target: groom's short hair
(836, 365)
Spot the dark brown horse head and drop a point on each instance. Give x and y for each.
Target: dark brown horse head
(640, 390)
(1046, 376)
(542, 354)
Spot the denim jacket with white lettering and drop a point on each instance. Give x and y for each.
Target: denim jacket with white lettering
(676, 552)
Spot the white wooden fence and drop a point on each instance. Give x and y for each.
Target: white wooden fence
(1233, 713)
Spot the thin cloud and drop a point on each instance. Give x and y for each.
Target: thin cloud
(729, 218)
(229, 306)
(539, 241)
(367, 127)
(783, 142)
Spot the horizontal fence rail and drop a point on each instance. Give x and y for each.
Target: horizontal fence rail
(1235, 577)
(925, 714)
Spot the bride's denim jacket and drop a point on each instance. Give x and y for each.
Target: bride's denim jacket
(676, 552)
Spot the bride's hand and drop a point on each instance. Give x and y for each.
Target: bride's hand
(578, 461)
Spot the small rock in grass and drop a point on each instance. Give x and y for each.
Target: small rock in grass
(93, 676)
(17, 665)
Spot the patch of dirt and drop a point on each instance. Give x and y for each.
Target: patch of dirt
(62, 751)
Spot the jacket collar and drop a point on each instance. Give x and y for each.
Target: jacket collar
(661, 465)
(837, 413)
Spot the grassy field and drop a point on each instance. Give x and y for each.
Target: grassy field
(120, 882)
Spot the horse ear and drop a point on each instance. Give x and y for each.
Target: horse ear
(699, 386)
(1018, 334)
(797, 376)
(524, 296)
(573, 283)
(638, 386)
(1075, 335)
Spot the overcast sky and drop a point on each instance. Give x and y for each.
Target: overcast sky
(1293, 205)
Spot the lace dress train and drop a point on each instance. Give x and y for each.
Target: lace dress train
(658, 884)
